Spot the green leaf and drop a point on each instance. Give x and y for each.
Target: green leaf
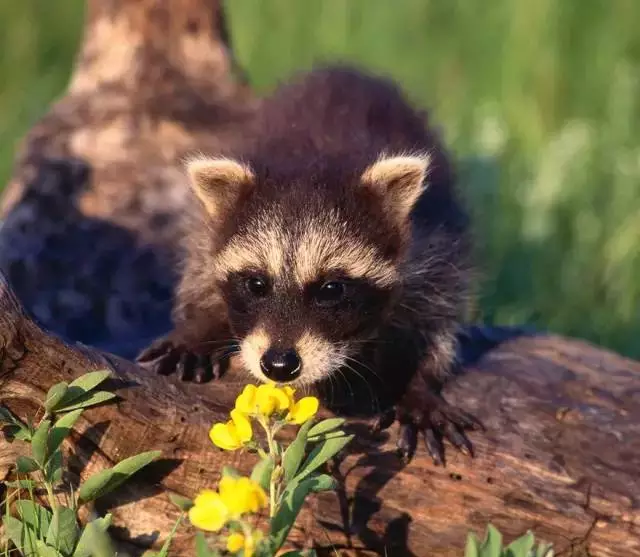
(86, 400)
(183, 503)
(26, 465)
(202, 548)
(55, 395)
(325, 425)
(35, 516)
(53, 468)
(322, 453)
(107, 480)
(91, 380)
(230, 471)
(23, 434)
(63, 531)
(472, 548)
(329, 435)
(323, 482)
(39, 442)
(521, 546)
(80, 389)
(61, 429)
(87, 538)
(45, 550)
(262, 472)
(22, 484)
(9, 417)
(22, 536)
(295, 452)
(164, 550)
(492, 544)
(291, 503)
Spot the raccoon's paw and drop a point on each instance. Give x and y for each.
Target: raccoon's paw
(167, 355)
(434, 419)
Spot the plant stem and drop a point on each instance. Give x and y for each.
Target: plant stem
(272, 480)
(50, 495)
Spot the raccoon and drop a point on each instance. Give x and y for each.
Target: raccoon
(331, 251)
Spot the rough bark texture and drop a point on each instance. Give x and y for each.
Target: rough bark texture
(154, 80)
(89, 239)
(561, 454)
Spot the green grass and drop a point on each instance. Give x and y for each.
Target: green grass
(539, 100)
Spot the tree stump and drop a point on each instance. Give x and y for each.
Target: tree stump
(89, 241)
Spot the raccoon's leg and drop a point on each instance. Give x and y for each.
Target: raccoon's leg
(198, 348)
(422, 410)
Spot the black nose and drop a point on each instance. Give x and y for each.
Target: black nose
(280, 365)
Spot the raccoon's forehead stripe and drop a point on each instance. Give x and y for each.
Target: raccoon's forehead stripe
(314, 247)
(264, 249)
(318, 253)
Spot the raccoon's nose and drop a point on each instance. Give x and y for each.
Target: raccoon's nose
(281, 365)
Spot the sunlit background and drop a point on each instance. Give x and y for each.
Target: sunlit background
(539, 100)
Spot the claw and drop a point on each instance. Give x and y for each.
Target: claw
(203, 371)
(186, 366)
(155, 351)
(407, 441)
(166, 365)
(384, 421)
(458, 439)
(434, 446)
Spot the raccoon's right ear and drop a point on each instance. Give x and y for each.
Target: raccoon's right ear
(219, 183)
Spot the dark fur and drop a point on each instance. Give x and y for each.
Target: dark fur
(318, 134)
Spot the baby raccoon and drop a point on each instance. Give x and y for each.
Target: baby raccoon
(329, 251)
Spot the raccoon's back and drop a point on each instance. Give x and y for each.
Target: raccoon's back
(332, 122)
(341, 110)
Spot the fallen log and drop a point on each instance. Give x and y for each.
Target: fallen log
(88, 242)
(560, 456)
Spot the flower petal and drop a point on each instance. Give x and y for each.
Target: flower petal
(208, 512)
(235, 542)
(282, 398)
(290, 392)
(224, 436)
(227, 487)
(304, 409)
(242, 426)
(246, 401)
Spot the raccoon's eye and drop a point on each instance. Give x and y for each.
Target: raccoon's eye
(330, 293)
(258, 286)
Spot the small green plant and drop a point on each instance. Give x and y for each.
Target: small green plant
(280, 481)
(491, 546)
(53, 530)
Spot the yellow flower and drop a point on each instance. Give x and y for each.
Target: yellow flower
(242, 495)
(235, 496)
(209, 511)
(236, 542)
(234, 434)
(303, 410)
(265, 400)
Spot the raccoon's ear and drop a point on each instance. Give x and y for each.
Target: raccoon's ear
(399, 181)
(219, 183)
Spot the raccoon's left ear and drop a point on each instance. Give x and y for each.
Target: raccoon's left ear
(219, 183)
(399, 181)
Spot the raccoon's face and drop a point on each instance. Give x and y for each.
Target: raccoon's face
(309, 273)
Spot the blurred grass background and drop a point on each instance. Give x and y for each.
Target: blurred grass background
(539, 101)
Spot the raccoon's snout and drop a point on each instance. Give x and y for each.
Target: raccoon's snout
(281, 365)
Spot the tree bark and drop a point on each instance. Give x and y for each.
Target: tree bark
(88, 241)
(560, 456)
(98, 186)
